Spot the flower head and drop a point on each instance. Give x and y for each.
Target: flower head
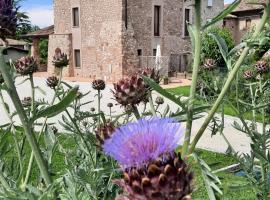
(98, 84)
(143, 141)
(26, 65)
(130, 91)
(60, 60)
(52, 82)
(8, 18)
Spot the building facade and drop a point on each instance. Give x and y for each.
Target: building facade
(244, 18)
(109, 39)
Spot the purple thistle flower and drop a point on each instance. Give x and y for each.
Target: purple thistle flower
(135, 144)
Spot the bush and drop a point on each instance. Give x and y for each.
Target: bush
(210, 47)
(43, 51)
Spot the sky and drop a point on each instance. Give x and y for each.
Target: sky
(41, 11)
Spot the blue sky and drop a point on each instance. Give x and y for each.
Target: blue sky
(41, 11)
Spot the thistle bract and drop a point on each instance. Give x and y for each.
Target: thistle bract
(8, 18)
(137, 143)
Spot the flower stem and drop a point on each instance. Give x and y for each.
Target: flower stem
(153, 110)
(32, 95)
(27, 126)
(196, 65)
(136, 112)
(230, 79)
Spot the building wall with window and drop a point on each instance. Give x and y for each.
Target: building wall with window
(104, 38)
(243, 19)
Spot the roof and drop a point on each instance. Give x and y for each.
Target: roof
(13, 42)
(17, 49)
(41, 33)
(248, 5)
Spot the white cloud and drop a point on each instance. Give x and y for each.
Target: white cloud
(41, 16)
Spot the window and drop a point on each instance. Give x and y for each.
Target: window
(157, 20)
(248, 23)
(75, 17)
(210, 3)
(154, 52)
(139, 52)
(77, 57)
(187, 20)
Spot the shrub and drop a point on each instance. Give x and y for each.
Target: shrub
(43, 51)
(210, 47)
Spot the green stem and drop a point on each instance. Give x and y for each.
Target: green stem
(263, 109)
(253, 106)
(136, 112)
(32, 95)
(11, 89)
(196, 65)
(230, 79)
(153, 110)
(99, 98)
(13, 131)
(31, 160)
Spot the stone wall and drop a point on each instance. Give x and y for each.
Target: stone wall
(101, 33)
(109, 48)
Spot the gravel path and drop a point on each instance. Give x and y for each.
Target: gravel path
(216, 143)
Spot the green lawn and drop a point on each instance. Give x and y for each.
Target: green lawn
(184, 91)
(217, 161)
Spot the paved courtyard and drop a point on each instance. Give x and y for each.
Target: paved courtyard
(239, 141)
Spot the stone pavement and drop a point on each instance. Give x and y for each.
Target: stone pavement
(239, 141)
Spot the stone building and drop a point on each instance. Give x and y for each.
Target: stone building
(243, 18)
(109, 39)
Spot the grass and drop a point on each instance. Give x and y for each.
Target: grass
(184, 91)
(217, 161)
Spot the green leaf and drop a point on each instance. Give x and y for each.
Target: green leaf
(54, 110)
(163, 92)
(223, 48)
(210, 179)
(223, 14)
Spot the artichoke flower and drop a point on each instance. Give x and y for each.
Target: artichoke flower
(151, 169)
(26, 65)
(60, 60)
(209, 64)
(98, 84)
(151, 73)
(262, 66)
(52, 82)
(130, 91)
(104, 132)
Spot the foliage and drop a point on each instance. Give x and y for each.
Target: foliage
(43, 50)
(210, 48)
